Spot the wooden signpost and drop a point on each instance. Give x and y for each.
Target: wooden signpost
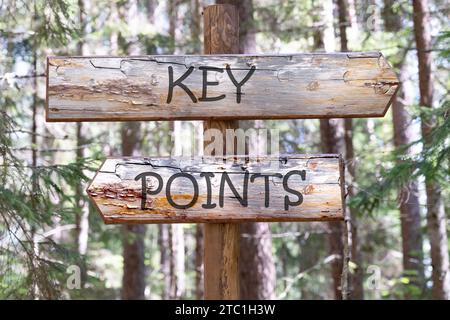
(220, 88)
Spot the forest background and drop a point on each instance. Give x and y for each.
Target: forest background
(397, 166)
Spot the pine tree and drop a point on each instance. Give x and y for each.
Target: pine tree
(436, 220)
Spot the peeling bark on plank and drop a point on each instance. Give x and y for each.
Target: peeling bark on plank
(118, 195)
(317, 85)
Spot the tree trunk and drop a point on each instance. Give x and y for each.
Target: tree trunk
(392, 20)
(34, 182)
(164, 250)
(198, 150)
(176, 232)
(151, 6)
(357, 277)
(354, 27)
(177, 255)
(133, 280)
(199, 247)
(256, 267)
(172, 12)
(436, 220)
(82, 217)
(408, 197)
(410, 220)
(343, 22)
(196, 26)
(331, 140)
(163, 230)
(114, 37)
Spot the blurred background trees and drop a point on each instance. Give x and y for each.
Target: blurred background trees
(397, 166)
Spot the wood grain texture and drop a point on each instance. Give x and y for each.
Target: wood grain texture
(221, 261)
(222, 240)
(317, 85)
(117, 194)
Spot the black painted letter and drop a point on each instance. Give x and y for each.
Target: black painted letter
(169, 196)
(266, 184)
(207, 83)
(144, 191)
(287, 202)
(208, 176)
(179, 83)
(240, 84)
(242, 200)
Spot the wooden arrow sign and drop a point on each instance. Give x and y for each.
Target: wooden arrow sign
(318, 85)
(209, 189)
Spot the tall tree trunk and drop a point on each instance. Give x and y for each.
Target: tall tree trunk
(164, 250)
(34, 182)
(408, 196)
(177, 261)
(331, 142)
(198, 150)
(256, 265)
(391, 20)
(151, 7)
(176, 231)
(410, 220)
(133, 280)
(196, 26)
(82, 218)
(356, 279)
(164, 232)
(199, 228)
(176, 257)
(436, 220)
(172, 12)
(343, 23)
(199, 266)
(114, 37)
(247, 36)
(354, 27)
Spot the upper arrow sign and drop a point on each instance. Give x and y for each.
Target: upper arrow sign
(204, 87)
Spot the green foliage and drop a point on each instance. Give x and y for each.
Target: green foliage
(49, 22)
(432, 163)
(32, 199)
(444, 41)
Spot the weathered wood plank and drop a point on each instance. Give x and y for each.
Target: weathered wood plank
(317, 85)
(118, 195)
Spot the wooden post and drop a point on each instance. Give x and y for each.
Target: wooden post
(221, 35)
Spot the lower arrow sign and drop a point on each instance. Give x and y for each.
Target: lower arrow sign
(213, 189)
